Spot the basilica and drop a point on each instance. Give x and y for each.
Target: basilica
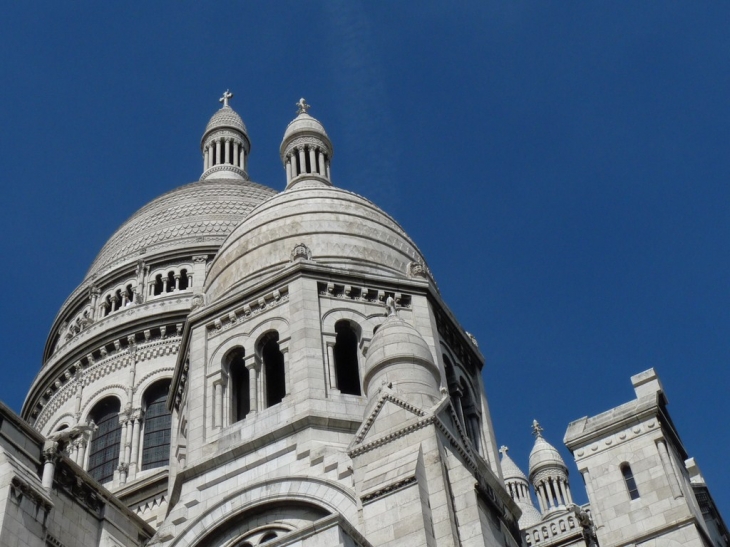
(244, 365)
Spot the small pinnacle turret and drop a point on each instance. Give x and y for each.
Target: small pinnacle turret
(306, 150)
(225, 144)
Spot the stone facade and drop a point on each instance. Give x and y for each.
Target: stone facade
(244, 367)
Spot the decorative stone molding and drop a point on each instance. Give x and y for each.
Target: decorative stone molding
(300, 252)
(225, 167)
(391, 488)
(363, 294)
(617, 438)
(251, 309)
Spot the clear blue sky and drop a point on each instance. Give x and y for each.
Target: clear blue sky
(563, 166)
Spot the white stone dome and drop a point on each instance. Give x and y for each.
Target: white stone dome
(204, 210)
(305, 124)
(544, 455)
(338, 227)
(225, 118)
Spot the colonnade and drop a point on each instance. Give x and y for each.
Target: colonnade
(225, 151)
(297, 164)
(552, 493)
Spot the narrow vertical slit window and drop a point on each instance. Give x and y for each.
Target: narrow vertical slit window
(273, 365)
(347, 370)
(240, 391)
(630, 482)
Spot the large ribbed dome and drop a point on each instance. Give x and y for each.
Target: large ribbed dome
(209, 209)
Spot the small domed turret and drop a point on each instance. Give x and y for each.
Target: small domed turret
(548, 474)
(225, 144)
(399, 355)
(518, 487)
(306, 150)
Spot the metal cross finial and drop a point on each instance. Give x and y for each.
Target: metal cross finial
(536, 429)
(503, 450)
(302, 106)
(225, 98)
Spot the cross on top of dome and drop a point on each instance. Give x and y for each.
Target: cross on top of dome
(226, 97)
(302, 106)
(503, 450)
(536, 429)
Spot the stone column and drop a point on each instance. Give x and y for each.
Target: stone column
(206, 159)
(236, 155)
(312, 160)
(177, 282)
(136, 430)
(253, 373)
(95, 292)
(322, 170)
(50, 457)
(218, 402)
(329, 176)
(332, 368)
(242, 158)
(302, 161)
(288, 170)
(217, 152)
(228, 151)
(562, 492)
(123, 440)
(540, 500)
(83, 445)
(165, 279)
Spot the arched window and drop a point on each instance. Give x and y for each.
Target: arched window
(347, 371)
(273, 368)
(158, 285)
(629, 480)
(157, 420)
(104, 449)
(184, 281)
(170, 281)
(240, 392)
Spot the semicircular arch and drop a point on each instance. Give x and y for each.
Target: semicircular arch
(331, 497)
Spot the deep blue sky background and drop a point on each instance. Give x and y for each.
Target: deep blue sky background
(563, 166)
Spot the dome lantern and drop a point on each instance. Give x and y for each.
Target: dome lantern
(225, 144)
(548, 474)
(306, 150)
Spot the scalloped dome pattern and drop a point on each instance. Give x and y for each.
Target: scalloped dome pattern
(543, 454)
(203, 208)
(510, 470)
(225, 117)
